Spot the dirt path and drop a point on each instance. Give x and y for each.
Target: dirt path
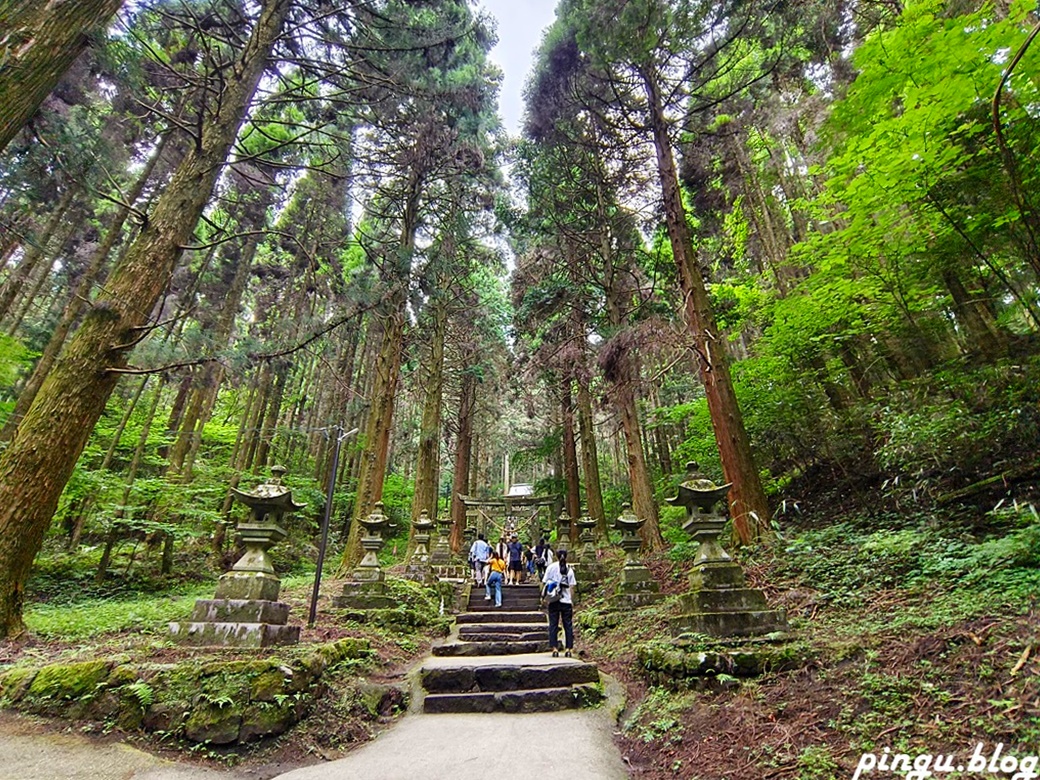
(31, 751)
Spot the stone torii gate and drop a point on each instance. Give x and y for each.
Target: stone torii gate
(481, 513)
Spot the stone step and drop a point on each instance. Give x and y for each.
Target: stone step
(468, 630)
(508, 600)
(504, 677)
(499, 636)
(491, 648)
(536, 700)
(501, 616)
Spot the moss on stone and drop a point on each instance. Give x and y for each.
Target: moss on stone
(69, 682)
(14, 683)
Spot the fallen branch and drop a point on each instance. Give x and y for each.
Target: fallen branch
(1022, 660)
(1013, 475)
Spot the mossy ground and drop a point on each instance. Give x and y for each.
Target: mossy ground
(920, 632)
(284, 706)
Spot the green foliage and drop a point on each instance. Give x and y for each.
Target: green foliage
(659, 715)
(90, 618)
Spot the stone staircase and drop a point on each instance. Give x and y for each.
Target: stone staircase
(498, 661)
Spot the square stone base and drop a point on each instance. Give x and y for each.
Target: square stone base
(724, 600)
(248, 585)
(240, 611)
(198, 634)
(731, 624)
(363, 595)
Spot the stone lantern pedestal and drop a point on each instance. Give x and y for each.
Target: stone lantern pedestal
(719, 602)
(366, 588)
(245, 611)
(418, 566)
(563, 531)
(586, 557)
(638, 586)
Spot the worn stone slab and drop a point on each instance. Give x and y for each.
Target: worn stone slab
(248, 586)
(735, 624)
(724, 600)
(240, 611)
(363, 601)
(500, 616)
(501, 636)
(490, 648)
(449, 679)
(540, 700)
(198, 634)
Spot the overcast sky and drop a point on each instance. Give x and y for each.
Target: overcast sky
(520, 27)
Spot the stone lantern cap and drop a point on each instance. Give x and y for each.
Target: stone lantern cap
(269, 498)
(627, 520)
(697, 491)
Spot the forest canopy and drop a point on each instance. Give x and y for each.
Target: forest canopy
(796, 243)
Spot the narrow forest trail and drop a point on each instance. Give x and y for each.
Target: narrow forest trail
(491, 694)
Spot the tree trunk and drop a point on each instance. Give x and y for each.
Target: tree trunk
(39, 42)
(80, 295)
(590, 459)
(463, 448)
(39, 459)
(747, 500)
(34, 252)
(570, 457)
(430, 429)
(205, 390)
(372, 471)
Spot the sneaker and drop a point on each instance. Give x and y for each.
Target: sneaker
(567, 654)
(555, 653)
(487, 598)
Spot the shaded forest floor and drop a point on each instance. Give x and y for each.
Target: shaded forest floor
(922, 629)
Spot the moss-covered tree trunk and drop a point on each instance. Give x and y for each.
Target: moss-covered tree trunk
(38, 42)
(747, 500)
(464, 460)
(428, 457)
(40, 458)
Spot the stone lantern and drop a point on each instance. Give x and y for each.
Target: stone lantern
(719, 602)
(245, 611)
(367, 586)
(638, 586)
(440, 555)
(563, 530)
(587, 559)
(418, 567)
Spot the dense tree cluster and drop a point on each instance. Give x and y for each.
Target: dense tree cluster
(783, 240)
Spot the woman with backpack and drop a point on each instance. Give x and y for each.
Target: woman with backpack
(559, 583)
(542, 558)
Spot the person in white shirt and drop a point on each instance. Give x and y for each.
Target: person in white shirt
(479, 553)
(560, 575)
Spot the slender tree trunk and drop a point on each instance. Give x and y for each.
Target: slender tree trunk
(34, 253)
(114, 532)
(430, 429)
(39, 459)
(464, 460)
(590, 459)
(372, 471)
(747, 500)
(570, 456)
(38, 43)
(79, 296)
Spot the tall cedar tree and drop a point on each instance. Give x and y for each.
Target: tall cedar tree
(48, 442)
(38, 43)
